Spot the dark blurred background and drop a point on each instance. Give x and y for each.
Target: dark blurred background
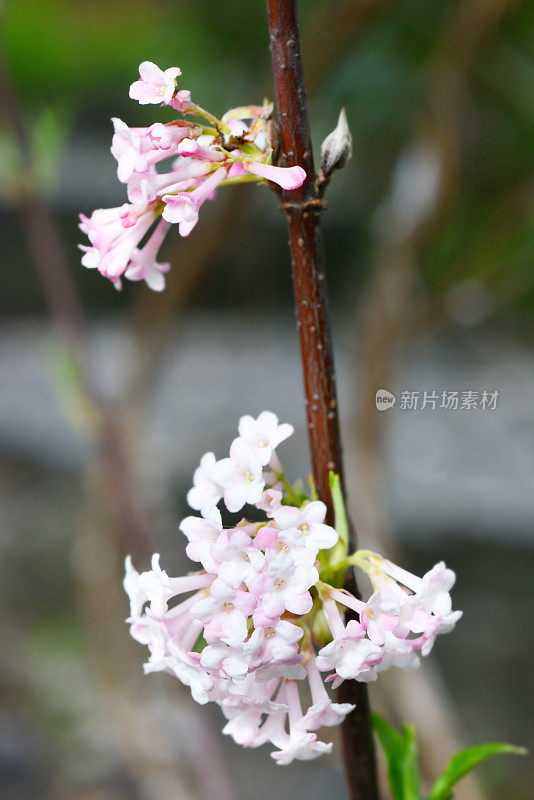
(107, 399)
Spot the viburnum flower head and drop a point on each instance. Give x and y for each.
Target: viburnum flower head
(198, 154)
(264, 613)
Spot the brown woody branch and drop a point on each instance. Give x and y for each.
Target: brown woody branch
(302, 208)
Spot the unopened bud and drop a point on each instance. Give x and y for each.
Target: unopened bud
(337, 147)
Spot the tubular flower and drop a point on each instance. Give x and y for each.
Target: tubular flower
(198, 155)
(264, 615)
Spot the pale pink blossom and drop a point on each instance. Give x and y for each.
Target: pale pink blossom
(104, 225)
(146, 187)
(240, 561)
(115, 259)
(285, 585)
(350, 654)
(139, 149)
(206, 491)
(114, 234)
(154, 85)
(264, 434)
(252, 693)
(245, 706)
(297, 743)
(270, 502)
(430, 626)
(433, 589)
(304, 527)
(286, 177)
(274, 643)
(202, 532)
(183, 208)
(224, 612)
(181, 101)
(323, 710)
(155, 587)
(229, 627)
(379, 616)
(190, 674)
(397, 652)
(162, 137)
(192, 148)
(240, 476)
(225, 660)
(244, 726)
(237, 170)
(129, 147)
(143, 265)
(91, 256)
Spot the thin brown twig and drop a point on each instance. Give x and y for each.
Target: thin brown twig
(302, 209)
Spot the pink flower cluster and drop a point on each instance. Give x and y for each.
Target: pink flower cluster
(264, 614)
(400, 620)
(205, 154)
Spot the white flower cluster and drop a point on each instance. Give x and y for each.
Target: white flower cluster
(253, 621)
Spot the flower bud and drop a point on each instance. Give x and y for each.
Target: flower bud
(337, 147)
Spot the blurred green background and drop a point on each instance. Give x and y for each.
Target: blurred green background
(108, 399)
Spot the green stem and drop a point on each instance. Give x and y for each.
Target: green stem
(220, 126)
(291, 495)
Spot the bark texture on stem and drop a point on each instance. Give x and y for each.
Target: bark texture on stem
(302, 207)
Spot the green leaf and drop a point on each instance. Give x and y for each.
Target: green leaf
(410, 769)
(200, 644)
(293, 495)
(337, 553)
(400, 750)
(342, 525)
(393, 745)
(464, 762)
